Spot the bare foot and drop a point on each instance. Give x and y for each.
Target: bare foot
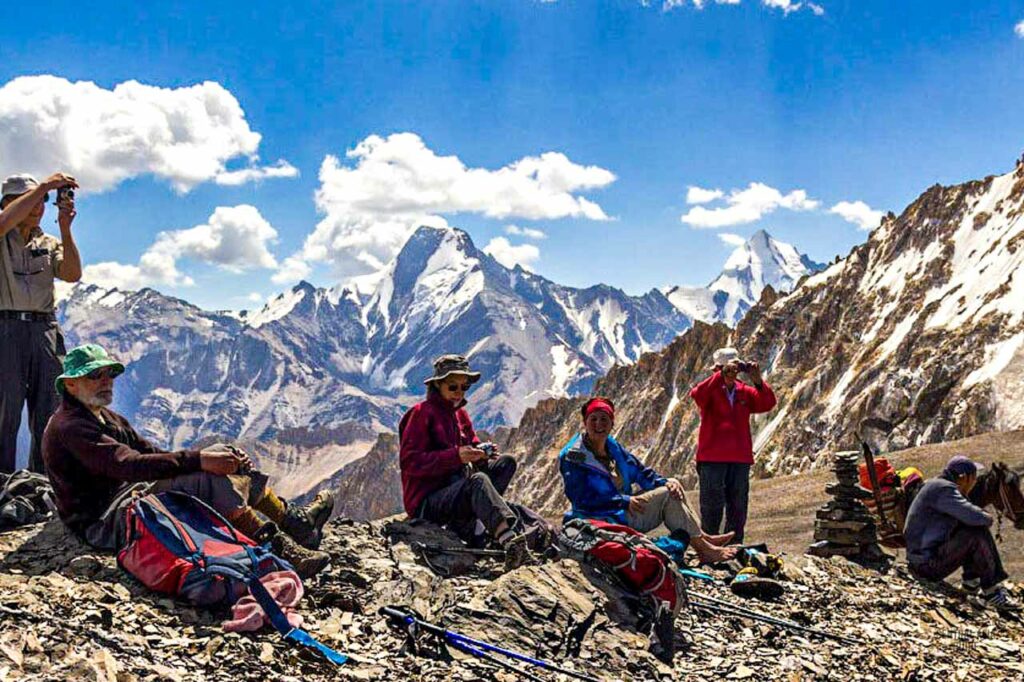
(714, 555)
(719, 540)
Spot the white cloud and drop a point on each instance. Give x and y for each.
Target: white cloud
(292, 270)
(510, 255)
(391, 185)
(699, 195)
(256, 297)
(730, 239)
(747, 206)
(281, 169)
(184, 135)
(526, 232)
(786, 6)
(235, 238)
(1019, 29)
(858, 213)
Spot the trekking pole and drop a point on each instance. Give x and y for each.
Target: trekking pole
(710, 603)
(438, 549)
(476, 646)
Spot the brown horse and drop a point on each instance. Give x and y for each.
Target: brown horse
(1000, 487)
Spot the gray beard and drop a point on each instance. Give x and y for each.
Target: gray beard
(96, 401)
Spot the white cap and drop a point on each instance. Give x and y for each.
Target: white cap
(725, 355)
(19, 184)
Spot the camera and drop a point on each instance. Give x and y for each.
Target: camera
(65, 195)
(744, 366)
(490, 448)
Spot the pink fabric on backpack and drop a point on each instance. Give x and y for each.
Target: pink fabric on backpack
(286, 589)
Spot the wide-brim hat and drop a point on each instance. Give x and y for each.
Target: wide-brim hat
(82, 360)
(16, 185)
(447, 365)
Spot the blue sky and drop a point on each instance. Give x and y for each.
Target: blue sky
(585, 120)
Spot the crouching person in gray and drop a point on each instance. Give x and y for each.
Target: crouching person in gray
(945, 532)
(97, 463)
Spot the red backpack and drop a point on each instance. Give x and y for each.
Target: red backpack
(633, 558)
(178, 545)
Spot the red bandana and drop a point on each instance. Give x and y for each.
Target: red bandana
(603, 405)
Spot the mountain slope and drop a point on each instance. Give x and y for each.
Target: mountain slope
(923, 325)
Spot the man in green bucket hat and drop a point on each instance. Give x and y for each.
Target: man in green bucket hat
(97, 462)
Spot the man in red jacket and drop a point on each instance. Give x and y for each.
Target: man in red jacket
(724, 448)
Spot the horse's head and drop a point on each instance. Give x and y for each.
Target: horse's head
(1006, 494)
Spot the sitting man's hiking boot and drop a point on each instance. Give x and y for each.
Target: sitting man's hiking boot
(307, 562)
(305, 524)
(1000, 600)
(517, 553)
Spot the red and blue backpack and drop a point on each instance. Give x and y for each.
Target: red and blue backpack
(178, 545)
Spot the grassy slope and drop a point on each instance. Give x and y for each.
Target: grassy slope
(782, 509)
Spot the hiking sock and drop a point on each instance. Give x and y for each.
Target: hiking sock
(246, 521)
(272, 506)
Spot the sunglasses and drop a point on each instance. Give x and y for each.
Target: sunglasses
(458, 388)
(101, 373)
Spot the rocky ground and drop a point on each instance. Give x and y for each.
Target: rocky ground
(67, 614)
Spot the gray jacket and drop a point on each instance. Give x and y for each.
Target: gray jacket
(935, 512)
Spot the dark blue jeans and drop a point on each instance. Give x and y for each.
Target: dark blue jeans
(724, 488)
(971, 548)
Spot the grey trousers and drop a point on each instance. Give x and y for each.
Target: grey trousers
(226, 494)
(477, 497)
(31, 355)
(663, 508)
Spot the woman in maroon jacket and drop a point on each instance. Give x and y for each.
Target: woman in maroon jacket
(448, 476)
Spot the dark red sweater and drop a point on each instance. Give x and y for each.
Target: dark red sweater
(430, 435)
(88, 461)
(725, 429)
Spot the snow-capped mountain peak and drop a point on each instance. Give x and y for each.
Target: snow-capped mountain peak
(760, 262)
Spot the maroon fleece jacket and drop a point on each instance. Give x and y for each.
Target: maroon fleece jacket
(88, 461)
(430, 435)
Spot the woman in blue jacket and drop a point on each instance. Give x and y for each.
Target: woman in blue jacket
(600, 477)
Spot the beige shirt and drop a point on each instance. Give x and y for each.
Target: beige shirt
(27, 270)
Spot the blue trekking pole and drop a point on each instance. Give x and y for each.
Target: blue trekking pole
(409, 622)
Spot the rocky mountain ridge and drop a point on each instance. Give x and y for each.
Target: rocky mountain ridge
(333, 361)
(923, 326)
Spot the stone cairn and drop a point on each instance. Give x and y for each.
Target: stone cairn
(844, 526)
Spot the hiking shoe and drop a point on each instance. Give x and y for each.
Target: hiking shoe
(305, 524)
(1000, 600)
(306, 562)
(517, 553)
(970, 586)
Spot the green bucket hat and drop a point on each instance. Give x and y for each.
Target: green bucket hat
(88, 358)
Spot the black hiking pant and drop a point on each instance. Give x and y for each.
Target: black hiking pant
(476, 497)
(31, 355)
(724, 487)
(971, 548)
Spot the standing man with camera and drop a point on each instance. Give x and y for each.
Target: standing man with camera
(31, 345)
(725, 450)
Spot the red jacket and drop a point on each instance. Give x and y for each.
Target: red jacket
(430, 435)
(724, 428)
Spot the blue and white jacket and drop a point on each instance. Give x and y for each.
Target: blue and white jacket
(590, 487)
